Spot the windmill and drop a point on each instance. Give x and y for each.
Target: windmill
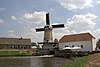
(48, 38)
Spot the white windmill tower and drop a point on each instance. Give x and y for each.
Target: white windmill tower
(48, 38)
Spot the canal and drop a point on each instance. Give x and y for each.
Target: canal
(34, 61)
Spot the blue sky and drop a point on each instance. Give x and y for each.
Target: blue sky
(19, 18)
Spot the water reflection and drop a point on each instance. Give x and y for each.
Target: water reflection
(14, 62)
(33, 62)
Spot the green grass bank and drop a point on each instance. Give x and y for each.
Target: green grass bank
(78, 62)
(91, 60)
(19, 53)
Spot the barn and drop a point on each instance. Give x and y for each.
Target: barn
(14, 43)
(83, 41)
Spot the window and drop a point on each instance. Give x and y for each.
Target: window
(16, 47)
(12, 46)
(66, 46)
(24, 47)
(54, 45)
(72, 45)
(81, 46)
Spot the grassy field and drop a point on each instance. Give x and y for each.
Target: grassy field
(85, 61)
(19, 53)
(78, 62)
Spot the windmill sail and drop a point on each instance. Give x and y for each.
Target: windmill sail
(58, 26)
(39, 29)
(48, 38)
(47, 19)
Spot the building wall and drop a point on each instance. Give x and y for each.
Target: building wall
(86, 45)
(94, 44)
(6, 46)
(47, 46)
(15, 43)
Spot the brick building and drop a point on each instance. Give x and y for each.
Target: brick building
(15, 43)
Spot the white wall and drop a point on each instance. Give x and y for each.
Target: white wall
(94, 44)
(86, 45)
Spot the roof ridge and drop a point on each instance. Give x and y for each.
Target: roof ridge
(12, 38)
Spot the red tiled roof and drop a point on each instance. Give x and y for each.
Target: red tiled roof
(76, 37)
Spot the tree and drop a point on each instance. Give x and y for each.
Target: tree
(98, 43)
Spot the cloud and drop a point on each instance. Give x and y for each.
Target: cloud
(2, 9)
(60, 32)
(57, 35)
(29, 33)
(12, 33)
(97, 33)
(36, 17)
(81, 22)
(76, 24)
(1, 21)
(13, 18)
(33, 35)
(75, 4)
(98, 1)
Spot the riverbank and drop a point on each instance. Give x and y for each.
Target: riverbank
(5, 53)
(92, 60)
(78, 62)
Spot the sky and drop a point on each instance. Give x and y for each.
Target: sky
(19, 18)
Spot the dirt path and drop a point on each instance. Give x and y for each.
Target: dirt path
(94, 60)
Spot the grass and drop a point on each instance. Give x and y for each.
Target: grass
(84, 61)
(19, 53)
(8, 53)
(94, 60)
(78, 62)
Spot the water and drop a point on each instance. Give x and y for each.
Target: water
(35, 61)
